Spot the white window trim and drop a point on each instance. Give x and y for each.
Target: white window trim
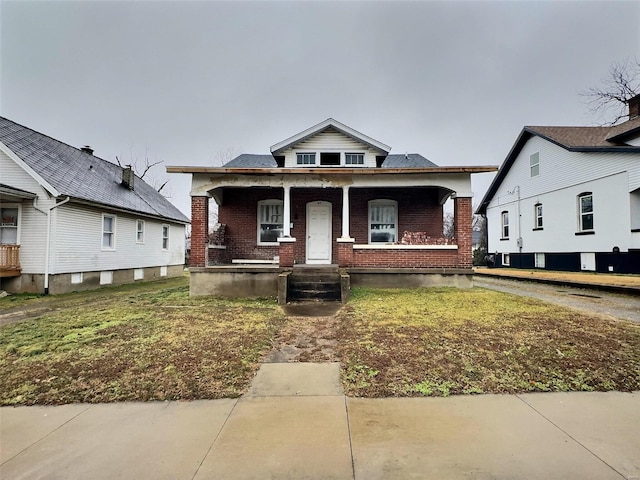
(503, 224)
(168, 237)
(539, 260)
(138, 222)
(538, 225)
(581, 214)
(506, 259)
(18, 227)
(355, 165)
(536, 157)
(378, 202)
(112, 248)
(315, 159)
(272, 201)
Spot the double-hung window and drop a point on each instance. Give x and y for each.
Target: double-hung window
(306, 158)
(383, 221)
(505, 225)
(537, 208)
(585, 212)
(165, 237)
(108, 232)
(9, 225)
(354, 158)
(534, 164)
(139, 231)
(270, 221)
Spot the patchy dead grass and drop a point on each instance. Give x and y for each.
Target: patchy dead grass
(448, 341)
(143, 342)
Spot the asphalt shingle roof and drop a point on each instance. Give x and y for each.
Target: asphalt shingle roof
(410, 160)
(80, 175)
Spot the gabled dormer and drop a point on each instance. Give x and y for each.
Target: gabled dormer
(330, 144)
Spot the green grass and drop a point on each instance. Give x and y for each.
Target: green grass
(137, 342)
(447, 341)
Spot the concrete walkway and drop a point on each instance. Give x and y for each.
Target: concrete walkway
(295, 423)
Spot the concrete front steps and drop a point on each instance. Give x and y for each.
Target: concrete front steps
(315, 283)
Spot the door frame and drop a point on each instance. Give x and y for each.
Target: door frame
(329, 208)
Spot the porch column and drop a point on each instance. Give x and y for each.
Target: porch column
(345, 213)
(199, 231)
(462, 218)
(286, 222)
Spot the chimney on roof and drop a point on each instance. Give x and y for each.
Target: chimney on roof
(128, 177)
(87, 149)
(634, 106)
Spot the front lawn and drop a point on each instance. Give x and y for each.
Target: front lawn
(147, 341)
(446, 341)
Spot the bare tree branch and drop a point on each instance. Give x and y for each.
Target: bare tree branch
(610, 100)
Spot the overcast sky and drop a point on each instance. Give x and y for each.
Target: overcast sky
(190, 83)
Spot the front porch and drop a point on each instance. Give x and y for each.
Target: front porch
(9, 261)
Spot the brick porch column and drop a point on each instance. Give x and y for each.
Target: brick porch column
(199, 231)
(286, 251)
(462, 217)
(345, 252)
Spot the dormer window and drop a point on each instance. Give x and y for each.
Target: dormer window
(354, 158)
(306, 159)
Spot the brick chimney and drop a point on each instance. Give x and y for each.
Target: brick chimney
(634, 107)
(87, 149)
(128, 177)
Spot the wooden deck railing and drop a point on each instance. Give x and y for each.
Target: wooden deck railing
(9, 260)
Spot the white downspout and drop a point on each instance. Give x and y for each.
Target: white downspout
(48, 247)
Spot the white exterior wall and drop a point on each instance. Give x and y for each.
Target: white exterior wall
(329, 142)
(32, 223)
(563, 176)
(77, 242)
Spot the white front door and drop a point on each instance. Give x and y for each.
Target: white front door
(318, 232)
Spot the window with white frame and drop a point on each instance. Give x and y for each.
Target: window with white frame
(139, 231)
(585, 211)
(534, 164)
(165, 237)
(9, 225)
(270, 221)
(306, 158)
(505, 224)
(383, 221)
(537, 211)
(108, 232)
(539, 260)
(506, 259)
(354, 158)
(76, 278)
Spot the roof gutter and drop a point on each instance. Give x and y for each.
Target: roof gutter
(48, 247)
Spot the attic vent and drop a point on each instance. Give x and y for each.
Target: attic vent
(128, 177)
(87, 149)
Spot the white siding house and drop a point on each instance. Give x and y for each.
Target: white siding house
(72, 221)
(568, 198)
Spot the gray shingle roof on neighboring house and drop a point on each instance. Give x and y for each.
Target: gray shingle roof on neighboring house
(248, 160)
(82, 176)
(411, 160)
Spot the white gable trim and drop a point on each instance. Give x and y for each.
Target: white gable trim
(46, 185)
(329, 122)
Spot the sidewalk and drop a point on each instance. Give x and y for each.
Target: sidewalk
(295, 423)
(597, 281)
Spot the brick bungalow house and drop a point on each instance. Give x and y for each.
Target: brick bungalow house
(334, 199)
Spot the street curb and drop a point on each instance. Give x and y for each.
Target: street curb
(567, 283)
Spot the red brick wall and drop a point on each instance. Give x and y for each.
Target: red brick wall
(405, 258)
(463, 216)
(199, 231)
(418, 210)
